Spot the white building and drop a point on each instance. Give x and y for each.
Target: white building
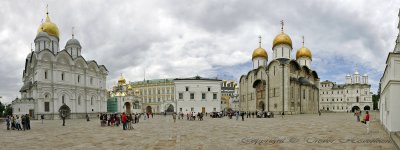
(234, 100)
(53, 77)
(355, 94)
(198, 94)
(390, 90)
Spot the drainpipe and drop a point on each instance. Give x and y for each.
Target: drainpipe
(283, 88)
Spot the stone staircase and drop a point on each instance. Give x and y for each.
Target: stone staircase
(395, 136)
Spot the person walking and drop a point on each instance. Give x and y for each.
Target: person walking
(366, 119)
(8, 122)
(63, 118)
(87, 117)
(242, 114)
(174, 117)
(18, 123)
(124, 119)
(28, 122)
(283, 114)
(42, 118)
(237, 115)
(357, 114)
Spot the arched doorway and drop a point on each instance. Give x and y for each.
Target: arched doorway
(127, 107)
(367, 107)
(170, 108)
(261, 106)
(354, 108)
(149, 109)
(64, 110)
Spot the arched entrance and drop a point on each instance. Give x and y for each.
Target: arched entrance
(367, 107)
(354, 108)
(127, 107)
(261, 106)
(170, 108)
(64, 110)
(149, 109)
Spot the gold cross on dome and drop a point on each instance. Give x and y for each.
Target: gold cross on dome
(259, 42)
(282, 24)
(303, 40)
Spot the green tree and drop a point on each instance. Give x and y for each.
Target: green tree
(9, 110)
(2, 107)
(376, 97)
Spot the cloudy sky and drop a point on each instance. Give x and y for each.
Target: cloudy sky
(184, 38)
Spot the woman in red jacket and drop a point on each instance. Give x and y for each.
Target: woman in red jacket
(366, 119)
(123, 117)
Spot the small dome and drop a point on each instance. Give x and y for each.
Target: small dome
(49, 27)
(365, 75)
(282, 38)
(303, 52)
(260, 52)
(129, 87)
(73, 42)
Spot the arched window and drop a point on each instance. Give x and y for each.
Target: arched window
(63, 99)
(91, 101)
(45, 74)
(79, 78)
(79, 100)
(357, 99)
(62, 76)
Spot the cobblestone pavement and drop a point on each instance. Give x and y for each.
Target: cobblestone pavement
(307, 131)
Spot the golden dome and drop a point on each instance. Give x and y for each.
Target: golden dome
(49, 27)
(282, 38)
(260, 52)
(129, 87)
(121, 79)
(303, 52)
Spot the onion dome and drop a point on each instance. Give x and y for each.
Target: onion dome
(260, 52)
(49, 27)
(282, 38)
(73, 42)
(129, 87)
(303, 52)
(121, 79)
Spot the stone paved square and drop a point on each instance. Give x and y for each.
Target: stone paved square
(308, 131)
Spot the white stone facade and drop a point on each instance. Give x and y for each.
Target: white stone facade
(355, 94)
(389, 102)
(52, 78)
(281, 85)
(198, 94)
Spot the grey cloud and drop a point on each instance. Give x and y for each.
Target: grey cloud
(208, 38)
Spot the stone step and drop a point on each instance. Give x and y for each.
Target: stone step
(396, 139)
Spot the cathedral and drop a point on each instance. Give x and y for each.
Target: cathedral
(285, 84)
(54, 78)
